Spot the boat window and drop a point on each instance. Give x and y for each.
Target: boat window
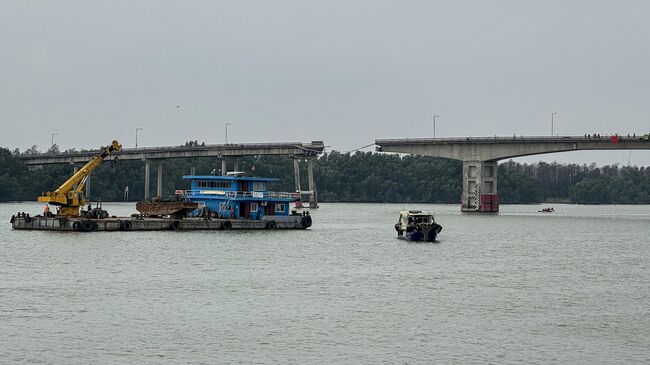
(253, 207)
(259, 186)
(214, 184)
(421, 220)
(279, 207)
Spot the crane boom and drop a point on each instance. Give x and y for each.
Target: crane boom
(69, 198)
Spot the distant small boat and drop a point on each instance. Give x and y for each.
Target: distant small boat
(547, 210)
(416, 225)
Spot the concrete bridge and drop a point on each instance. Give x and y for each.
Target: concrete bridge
(480, 156)
(297, 150)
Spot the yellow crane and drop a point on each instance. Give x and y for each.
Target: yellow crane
(69, 195)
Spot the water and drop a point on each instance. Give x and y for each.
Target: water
(520, 287)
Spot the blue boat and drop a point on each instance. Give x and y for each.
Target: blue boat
(236, 197)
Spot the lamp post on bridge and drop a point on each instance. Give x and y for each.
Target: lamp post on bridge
(52, 139)
(136, 136)
(434, 125)
(552, 121)
(227, 124)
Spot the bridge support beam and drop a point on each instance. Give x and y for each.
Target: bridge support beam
(146, 180)
(159, 185)
(479, 187)
(224, 167)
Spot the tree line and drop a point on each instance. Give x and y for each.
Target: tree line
(345, 177)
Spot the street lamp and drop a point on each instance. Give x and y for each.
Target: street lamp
(52, 139)
(552, 121)
(434, 125)
(136, 136)
(227, 124)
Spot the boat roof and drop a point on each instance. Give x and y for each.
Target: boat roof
(414, 212)
(230, 178)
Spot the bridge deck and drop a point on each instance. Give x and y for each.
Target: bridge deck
(297, 149)
(507, 140)
(498, 148)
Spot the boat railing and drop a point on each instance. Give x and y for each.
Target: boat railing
(239, 194)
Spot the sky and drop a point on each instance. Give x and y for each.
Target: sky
(345, 72)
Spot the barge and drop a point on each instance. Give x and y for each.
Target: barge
(23, 221)
(212, 203)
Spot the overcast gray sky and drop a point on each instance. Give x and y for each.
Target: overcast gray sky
(345, 72)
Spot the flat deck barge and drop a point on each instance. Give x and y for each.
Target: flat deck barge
(77, 224)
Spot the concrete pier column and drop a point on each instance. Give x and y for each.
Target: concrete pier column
(296, 174)
(236, 166)
(313, 200)
(159, 186)
(88, 186)
(146, 180)
(193, 170)
(75, 168)
(224, 167)
(479, 187)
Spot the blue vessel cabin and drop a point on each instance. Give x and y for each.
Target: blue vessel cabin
(238, 197)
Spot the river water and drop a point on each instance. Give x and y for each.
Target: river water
(518, 287)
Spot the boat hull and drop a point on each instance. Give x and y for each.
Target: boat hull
(68, 224)
(425, 233)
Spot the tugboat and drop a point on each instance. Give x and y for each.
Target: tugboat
(417, 225)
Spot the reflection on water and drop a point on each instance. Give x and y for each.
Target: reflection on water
(520, 286)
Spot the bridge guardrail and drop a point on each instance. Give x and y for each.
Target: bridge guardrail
(516, 139)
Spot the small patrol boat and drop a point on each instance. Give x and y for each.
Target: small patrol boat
(417, 225)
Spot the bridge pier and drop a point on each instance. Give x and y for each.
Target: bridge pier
(88, 186)
(146, 180)
(313, 201)
(479, 187)
(296, 175)
(224, 167)
(75, 168)
(160, 177)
